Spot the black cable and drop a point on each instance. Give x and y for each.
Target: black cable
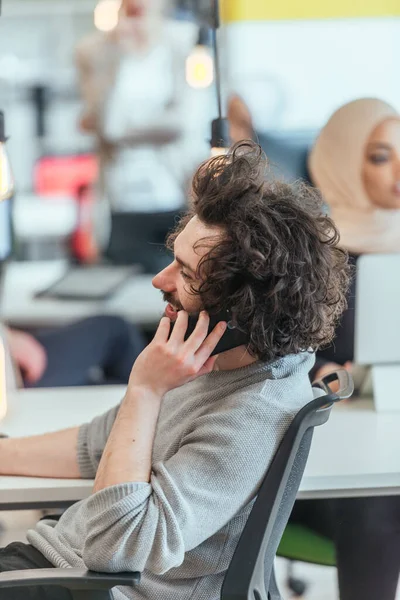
(216, 57)
(2, 127)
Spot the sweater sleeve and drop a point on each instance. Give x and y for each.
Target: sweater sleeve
(92, 439)
(191, 496)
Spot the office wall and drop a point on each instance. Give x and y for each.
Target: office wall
(37, 38)
(37, 41)
(295, 73)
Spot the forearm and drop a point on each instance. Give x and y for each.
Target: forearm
(48, 455)
(128, 452)
(160, 130)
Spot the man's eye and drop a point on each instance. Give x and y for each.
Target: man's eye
(378, 159)
(185, 276)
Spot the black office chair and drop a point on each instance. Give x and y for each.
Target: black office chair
(250, 575)
(287, 153)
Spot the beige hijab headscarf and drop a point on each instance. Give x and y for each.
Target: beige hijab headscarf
(335, 165)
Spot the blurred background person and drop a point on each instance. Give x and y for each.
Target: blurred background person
(136, 102)
(93, 351)
(287, 153)
(355, 162)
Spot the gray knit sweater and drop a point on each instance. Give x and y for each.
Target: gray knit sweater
(215, 439)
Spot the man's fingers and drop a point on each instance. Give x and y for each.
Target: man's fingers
(199, 333)
(208, 365)
(210, 342)
(163, 330)
(180, 327)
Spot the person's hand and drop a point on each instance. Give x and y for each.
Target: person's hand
(28, 353)
(166, 364)
(331, 368)
(87, 123)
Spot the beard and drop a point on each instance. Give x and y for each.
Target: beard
(169, 298)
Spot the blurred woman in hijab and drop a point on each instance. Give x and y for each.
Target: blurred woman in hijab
(356, 164)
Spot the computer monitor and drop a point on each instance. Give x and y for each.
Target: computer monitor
(5, 230)
(7, 372)
(377, 318)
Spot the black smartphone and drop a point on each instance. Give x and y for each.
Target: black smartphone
(232, 338)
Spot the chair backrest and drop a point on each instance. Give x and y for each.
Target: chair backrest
(287, 153)
(250, 575)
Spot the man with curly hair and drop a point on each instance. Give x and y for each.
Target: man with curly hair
(178, 463)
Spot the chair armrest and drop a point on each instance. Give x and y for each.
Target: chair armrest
(72, 579)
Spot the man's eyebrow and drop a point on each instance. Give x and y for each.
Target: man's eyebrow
(379, 146)
(184, 264)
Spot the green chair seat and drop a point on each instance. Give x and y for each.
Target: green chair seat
(299, 543)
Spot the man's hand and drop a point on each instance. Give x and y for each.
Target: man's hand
(166, 363)
(169, 363)
(28, 353)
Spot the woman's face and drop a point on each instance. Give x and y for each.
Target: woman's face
(381, 166)
(142, 8)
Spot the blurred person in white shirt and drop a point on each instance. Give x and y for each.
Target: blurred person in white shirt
(138, 105)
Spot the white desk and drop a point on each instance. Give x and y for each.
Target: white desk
(357, 453)
(32, 412)
(137, 300)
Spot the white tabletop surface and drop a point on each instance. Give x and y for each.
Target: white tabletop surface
(136, 300)
(32, 412)
(356, 453)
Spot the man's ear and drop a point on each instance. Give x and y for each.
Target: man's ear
(239, 117)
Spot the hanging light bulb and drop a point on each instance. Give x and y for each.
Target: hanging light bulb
(199, 63)
(106, 14)
(6, 176)
(199, 68)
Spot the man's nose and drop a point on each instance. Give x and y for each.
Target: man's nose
(165, 279)
(397, 169)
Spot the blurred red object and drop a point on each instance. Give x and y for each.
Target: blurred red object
(73, 176)
(64, 175)
(82, 243)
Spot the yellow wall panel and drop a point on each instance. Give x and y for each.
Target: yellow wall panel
(266, 10)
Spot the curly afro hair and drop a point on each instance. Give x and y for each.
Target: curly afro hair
(278, 267)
